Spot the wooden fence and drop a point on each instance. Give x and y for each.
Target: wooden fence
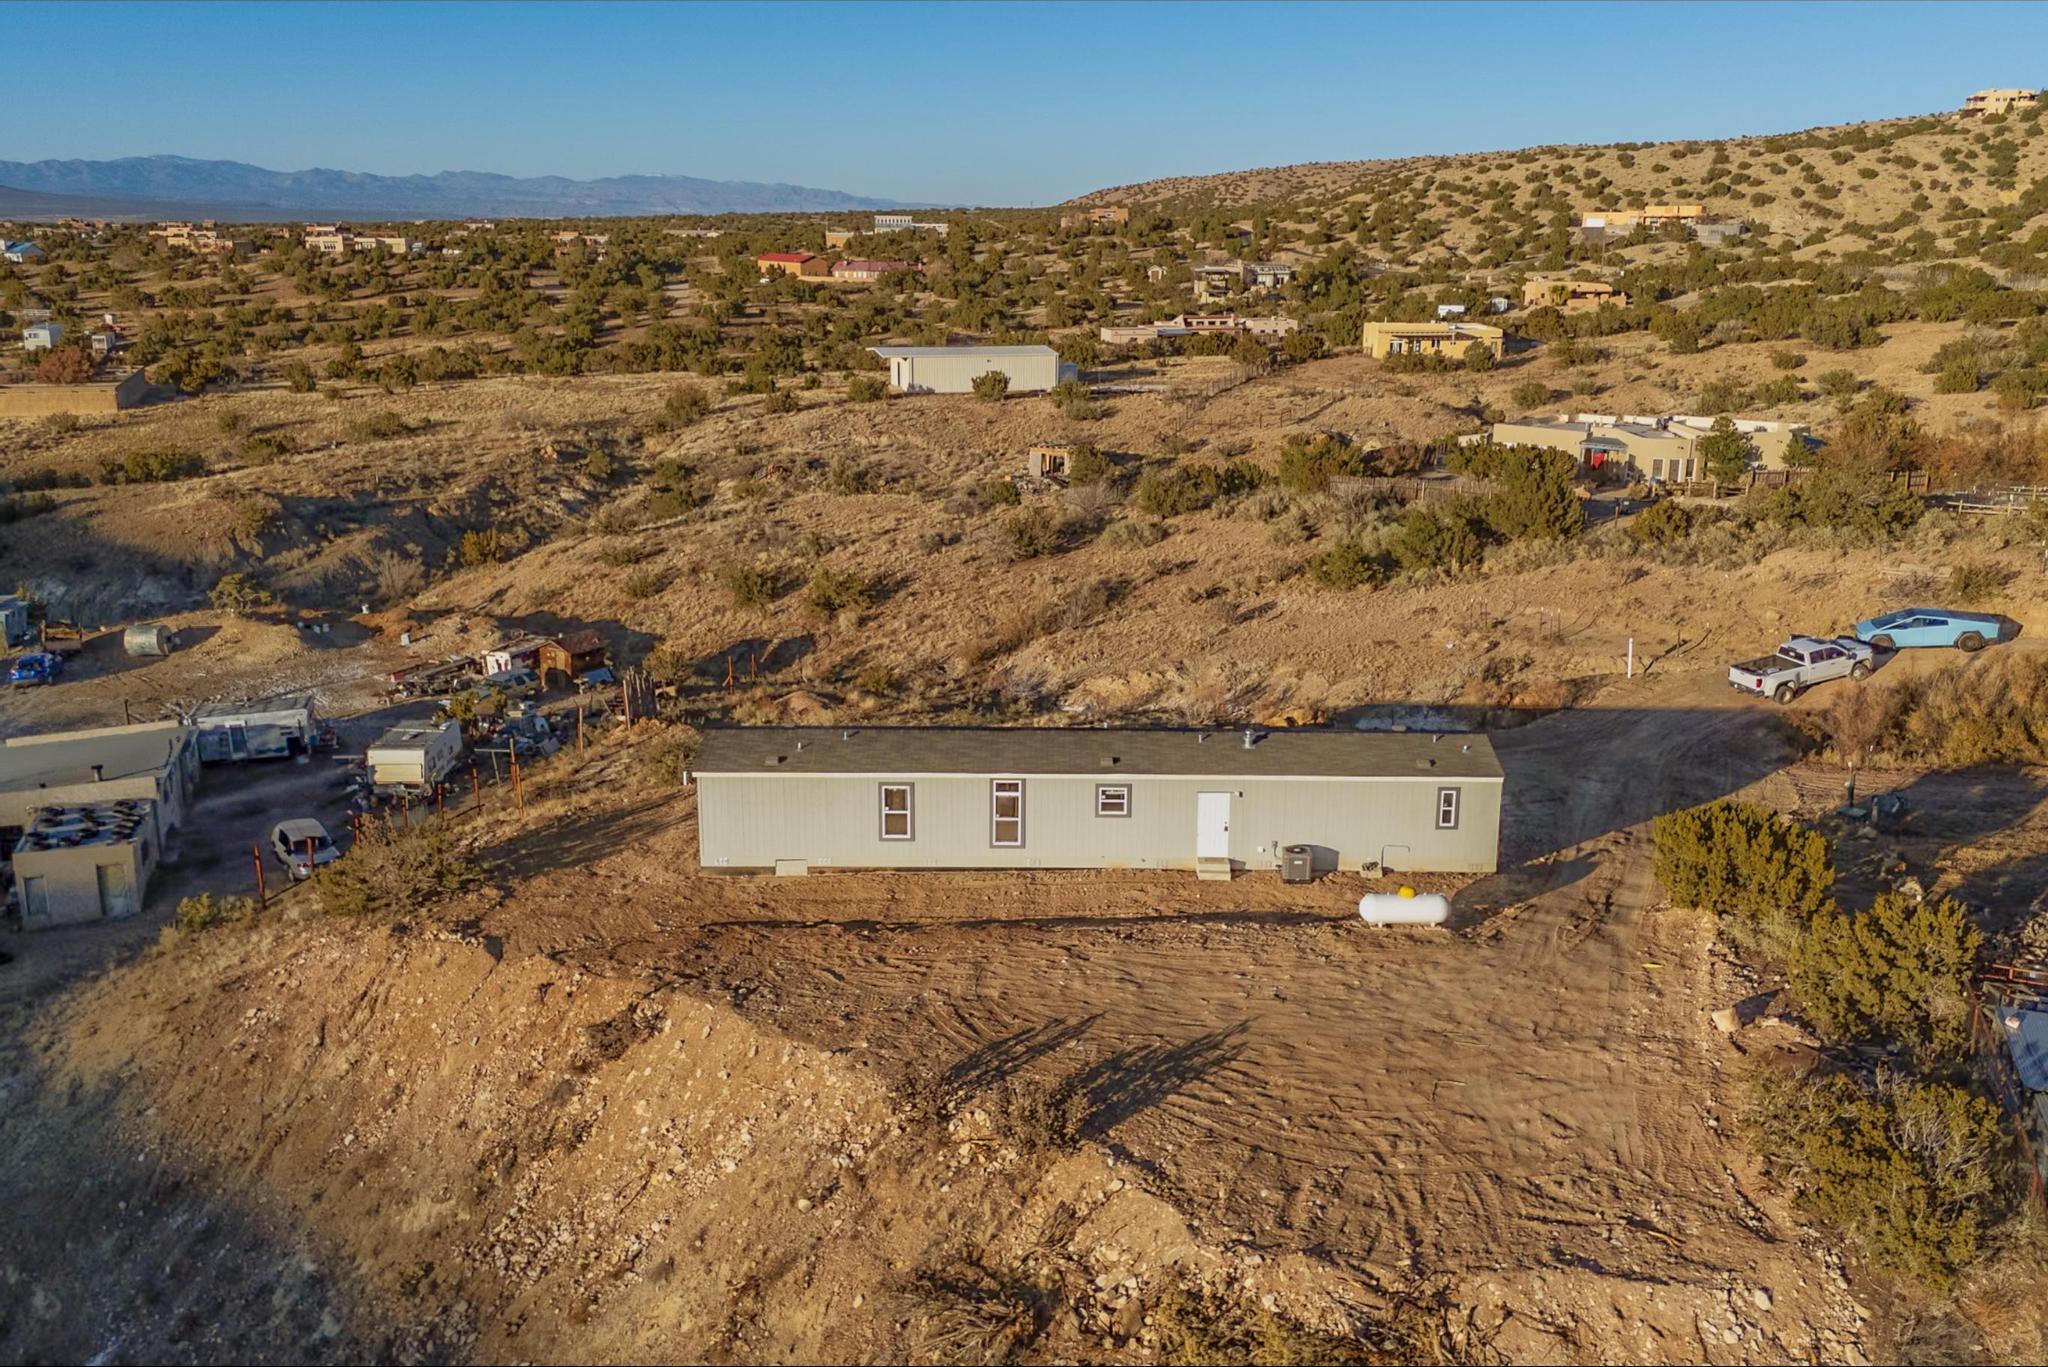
(1410, 489)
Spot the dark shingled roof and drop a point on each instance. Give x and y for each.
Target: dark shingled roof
(1091, 751)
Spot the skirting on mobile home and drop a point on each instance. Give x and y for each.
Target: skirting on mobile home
(800, 798)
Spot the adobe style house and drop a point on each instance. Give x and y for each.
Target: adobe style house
(859, 270)
(1110, 216)
(2000, 101)
(797, 799)
(793, 263)
(1572, 296)
(1447, 339)
(1654, 447)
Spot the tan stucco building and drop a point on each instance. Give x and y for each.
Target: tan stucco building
(2002, 100)
(1572, 296)
(1652, 447)
(1382, 340)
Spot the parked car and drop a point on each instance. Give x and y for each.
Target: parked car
(1801, 663)
(291, 840)
(514, 683)
(1911, 627)
(36, 667)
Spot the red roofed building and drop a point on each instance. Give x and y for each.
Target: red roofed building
(793, 263)
(869, 270)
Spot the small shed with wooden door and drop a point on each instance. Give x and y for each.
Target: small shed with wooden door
(564, 659)
(1048, 462)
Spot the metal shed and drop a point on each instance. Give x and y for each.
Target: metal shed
(798, 798)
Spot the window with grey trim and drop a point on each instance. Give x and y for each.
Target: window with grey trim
(898, 800)
(1006, 812)
(1113, 799)
(1447, 809)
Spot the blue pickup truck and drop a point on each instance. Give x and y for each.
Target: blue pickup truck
(1911, 627)
(36, 667)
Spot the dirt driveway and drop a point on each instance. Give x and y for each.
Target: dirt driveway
(1530, 1093)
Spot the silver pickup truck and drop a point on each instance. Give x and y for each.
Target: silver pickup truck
(1799, 664)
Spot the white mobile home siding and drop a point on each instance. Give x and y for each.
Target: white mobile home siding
(953, 370)
(752, 821)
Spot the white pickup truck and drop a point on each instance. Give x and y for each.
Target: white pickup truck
(1799, 664)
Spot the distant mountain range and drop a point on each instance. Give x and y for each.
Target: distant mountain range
(165, 186)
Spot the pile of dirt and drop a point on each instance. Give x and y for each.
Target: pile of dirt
(407, 1144)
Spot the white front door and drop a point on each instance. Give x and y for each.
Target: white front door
(1212, 825)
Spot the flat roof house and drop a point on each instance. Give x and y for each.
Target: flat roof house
(1382, 340)
(41, 336)
(2002, 100)
(953, 369)
(154, 760)
(869, 270)
(794, 799)
(1571, 296)
(1219, 282)
(1664, 446)
(793, 263)
(83, 863)
(906, 223)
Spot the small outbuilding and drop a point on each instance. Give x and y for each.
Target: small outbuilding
(799, 798)
(41, 336)
(90, 862)
(15, 627)
(562, 660)
(411, 760)
(158, 761)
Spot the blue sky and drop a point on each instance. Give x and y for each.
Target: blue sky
(1001, 104)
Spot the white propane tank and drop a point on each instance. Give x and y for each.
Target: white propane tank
(1404, 908)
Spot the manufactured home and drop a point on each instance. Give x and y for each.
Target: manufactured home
(795, 799)
(271, 728)
(954, 369)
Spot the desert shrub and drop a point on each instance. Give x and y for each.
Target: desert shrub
(1975, 583)
(642, 584)
(381, 425)
(66, 365)
(1194, 486)
(1133, 533)
(1479, 358)
(751, 585)
(780, 401)
(867, 389)
(1908, 1170)
(1839, 385)
(992, 386)
(299, 377)
(1530, 394)
(24, 506)
(205, 912)
(601, 465)
(669, 503)
(1763, 876)
(1032, 532)
(155, 465)
(1347, 565)
(1897, 973)
(1659, 523)
(1204, 1325)
(1087, 466)
(1443, 537)
(481, 547)
(1001, 493)
(395, 872)
(665, 759)
(232, 422)
(237, 594)
(1307, 465)
(1785, 359)
(1959, 716)
(1072, 399)
(684, 405)
(1959, 375)
(1771, 393)
(1533, 499)
(846, 476)
(261, 448)
(834, 591)
(61, 423)
(1866, 504)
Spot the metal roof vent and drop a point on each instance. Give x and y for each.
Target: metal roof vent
(1426, 762)
(1251, 738)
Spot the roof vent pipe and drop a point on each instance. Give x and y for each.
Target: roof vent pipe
(99, 773)
(1250, 738)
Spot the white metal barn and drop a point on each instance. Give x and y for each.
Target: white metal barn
(954, 369)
